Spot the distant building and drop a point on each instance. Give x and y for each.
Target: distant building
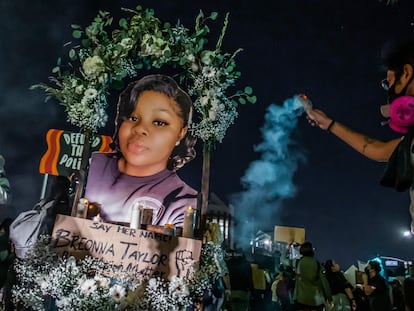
(221, 213)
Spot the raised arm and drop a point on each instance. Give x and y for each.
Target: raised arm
(371, 148)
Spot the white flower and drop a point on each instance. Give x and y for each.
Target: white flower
(212, 113)
(79, 89)
(117, 292)
(61, 303)
(178, 287)
(90, 93)
(103, 77)
(88, 286)
(127, 43)
(84, 100)
(153, 283)
(209, 71)
(93, 67)
(71, 262)
(102, 281)
(153, 46)
(194, 67)
(204, 100)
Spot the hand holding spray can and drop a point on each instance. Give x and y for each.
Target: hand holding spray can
(305, 102)
(307, 106)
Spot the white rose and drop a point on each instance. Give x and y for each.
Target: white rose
(93, 67)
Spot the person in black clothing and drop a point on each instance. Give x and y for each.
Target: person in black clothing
(241, 286)
(408, 289)
(398, 60)
(341, 289)
(376, 288)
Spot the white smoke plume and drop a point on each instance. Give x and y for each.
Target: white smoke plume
(269, 180)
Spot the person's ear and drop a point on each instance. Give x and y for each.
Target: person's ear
(407, 74)
(183, 132)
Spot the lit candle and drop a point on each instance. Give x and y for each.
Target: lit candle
(82, 208)
(169, 229)
(135, 218)
(97, 218)
(189, 222)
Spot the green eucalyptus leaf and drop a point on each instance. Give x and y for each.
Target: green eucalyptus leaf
(59, 61)
(252, 99)
(72, 54)
(138, 66)
(248, 90)
(229, 69)
(86, 43)
(76, 34)
(73, 26)
(123, 23)
(213, 15)
(56, 69)
(242, 100)
(167, 53)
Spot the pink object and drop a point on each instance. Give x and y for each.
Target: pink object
(402, 114)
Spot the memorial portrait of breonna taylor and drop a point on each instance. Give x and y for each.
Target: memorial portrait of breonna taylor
(151, 142)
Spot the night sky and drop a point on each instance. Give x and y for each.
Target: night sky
(329, 50)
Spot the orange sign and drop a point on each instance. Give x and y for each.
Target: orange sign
(64, 153)
(134, 251)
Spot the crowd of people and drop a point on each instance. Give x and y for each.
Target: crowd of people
(310, 285)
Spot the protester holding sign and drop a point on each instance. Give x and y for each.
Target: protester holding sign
(151, 141)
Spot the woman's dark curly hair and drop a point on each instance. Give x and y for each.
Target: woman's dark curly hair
(166, 85)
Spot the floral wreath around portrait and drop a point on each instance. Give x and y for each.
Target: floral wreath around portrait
(106, 57)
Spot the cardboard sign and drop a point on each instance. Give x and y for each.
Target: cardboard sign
(134, 251)
(289, 234)
(259, 278)
(64, 153)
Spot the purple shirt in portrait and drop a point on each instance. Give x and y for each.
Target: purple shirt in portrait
(117, 193)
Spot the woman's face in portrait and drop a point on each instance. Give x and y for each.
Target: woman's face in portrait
(148, 136)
